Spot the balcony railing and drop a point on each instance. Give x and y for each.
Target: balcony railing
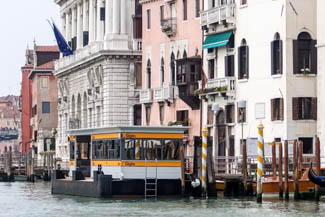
(137, 44)
(145, 96)
(168, 26)
(218, 14)
(219, 85)
(165, 93)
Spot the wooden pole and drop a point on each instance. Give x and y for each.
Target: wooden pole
(295, 171)
(183, 169)
(244, 165)
(280, 172)
(286, 170)
(317, 150)
(273, 159)
(300, 155)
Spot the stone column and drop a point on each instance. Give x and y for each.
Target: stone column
(91, 21)
(73, 22)
(79, 27)
(100, 23)
(123, 9)
(68, 26)
(116, 16)
(85, 22)
(108, 17)
(63, 24)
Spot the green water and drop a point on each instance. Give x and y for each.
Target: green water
(35, 199)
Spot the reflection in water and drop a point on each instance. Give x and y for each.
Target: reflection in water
(35, 199)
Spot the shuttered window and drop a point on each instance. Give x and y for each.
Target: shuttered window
(304, 108)
(229, 66)
(276, 57)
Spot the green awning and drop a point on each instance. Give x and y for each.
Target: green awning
(217, 40)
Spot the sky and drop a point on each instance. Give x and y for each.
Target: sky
(21, 22)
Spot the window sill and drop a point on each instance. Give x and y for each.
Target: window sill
(277, 76)
(244, 80)
(305, 75)
(243, 6)
(277, 121)
(305, 121)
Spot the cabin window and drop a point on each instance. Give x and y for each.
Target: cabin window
(106, 150)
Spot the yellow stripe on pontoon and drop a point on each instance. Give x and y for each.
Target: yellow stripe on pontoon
(106, 136)
(153, 135)
(137, 163)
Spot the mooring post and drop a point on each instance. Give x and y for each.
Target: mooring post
(9, 163)
(280, 171)
(300, 155)
(260, 159)
(244, 166)
(317, 153)
(183, 169)
(204, 161)
(286, 170)
(273, 159)
(295, 171)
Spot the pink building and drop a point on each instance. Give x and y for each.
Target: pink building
(171, 65)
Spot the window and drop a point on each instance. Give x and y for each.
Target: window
(148, 111)
(243, 2)
(34, 110)
(162, 8)
(182, 117)
(243, 68)
(210, 115)
(184, 9)
(241, 115)
(106, 150)
(304, 55)
(276, 55)
(148, 19)
(277, 109)
(46, 107)
(44, 82)
(210, 50)
(161, 113)
(172, 68)
(229, 66)
(304, 108)
(211, 68)
(307, 145)
(197, 8)
(137, 115)
(230, 113)
(162, 71)
(138, 72)
(148, 74)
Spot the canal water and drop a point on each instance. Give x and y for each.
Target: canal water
(35, 199)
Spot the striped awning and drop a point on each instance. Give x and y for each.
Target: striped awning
(217, 40)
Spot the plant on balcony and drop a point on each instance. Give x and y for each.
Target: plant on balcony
(305, 71)
(178, 123)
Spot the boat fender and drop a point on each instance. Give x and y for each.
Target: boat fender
(195, 183)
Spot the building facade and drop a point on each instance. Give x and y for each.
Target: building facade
(261, 63)
(97, 84)
(172, 66)
(44, 101)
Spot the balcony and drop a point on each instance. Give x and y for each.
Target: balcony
(168, 26)
(219, 14)
(137, 44)
(222, 86)
(145, 96)
(165, 93)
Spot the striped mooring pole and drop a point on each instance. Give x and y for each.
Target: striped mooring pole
(204, 160)
(260, 161)
(137, 150)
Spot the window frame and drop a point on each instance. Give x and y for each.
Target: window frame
(44, 110)
(148, 14)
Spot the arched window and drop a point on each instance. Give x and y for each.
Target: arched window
(78, 118)
(148, 74)
(172, 68)
(184, 54)
(85, 110)
(73, 107)
(162, 71)
(276, 55)
(243, 54)
(304, 54)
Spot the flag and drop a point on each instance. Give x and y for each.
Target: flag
(62, 44)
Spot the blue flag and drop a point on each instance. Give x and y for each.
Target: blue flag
(62, 44)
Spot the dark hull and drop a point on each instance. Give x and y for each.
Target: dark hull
(314, 178)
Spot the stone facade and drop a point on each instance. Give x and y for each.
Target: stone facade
(97, 86)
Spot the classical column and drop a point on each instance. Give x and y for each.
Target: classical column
(63, 24)
(116, 16)
(123, 16)
(68, 26)
(79, 27)
(73, 22)
(100, 23)
(108, 17)
(85, 22)
(91, 21)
